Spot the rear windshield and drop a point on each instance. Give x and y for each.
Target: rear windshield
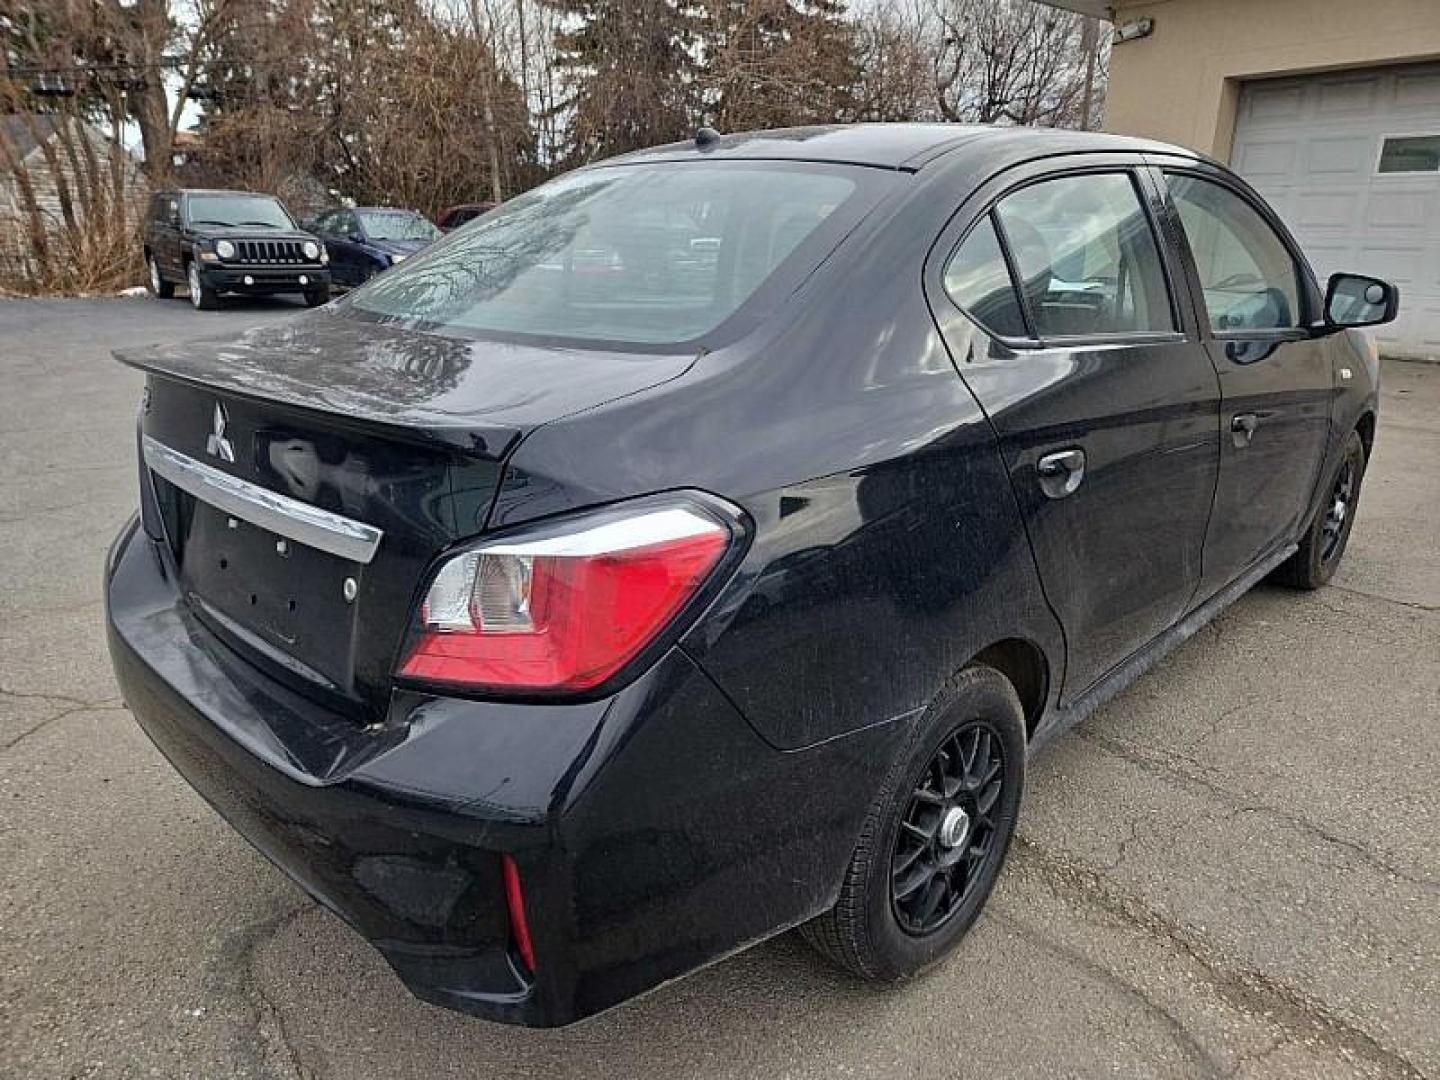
(649, 254)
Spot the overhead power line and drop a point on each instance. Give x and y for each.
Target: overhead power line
(165, 63)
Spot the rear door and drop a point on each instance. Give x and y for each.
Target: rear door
(1104, 401)
(1276, 379)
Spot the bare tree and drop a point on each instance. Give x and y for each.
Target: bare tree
(774, 63)
(1012, 61)
(894, 43)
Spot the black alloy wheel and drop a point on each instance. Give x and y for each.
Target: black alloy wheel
(935, 838)
(1337, 512)
(947, 832)
(1323, 544)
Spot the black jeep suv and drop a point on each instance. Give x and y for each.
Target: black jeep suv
(230, 242)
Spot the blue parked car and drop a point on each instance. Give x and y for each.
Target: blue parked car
(368, 239)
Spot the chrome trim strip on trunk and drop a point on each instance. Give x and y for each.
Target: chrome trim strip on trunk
(291, 518)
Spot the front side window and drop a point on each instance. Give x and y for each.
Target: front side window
(264, 211)
(650, 254)
(1086, 257)
(1248, 276)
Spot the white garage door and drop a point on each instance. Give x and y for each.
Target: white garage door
(1351, 160)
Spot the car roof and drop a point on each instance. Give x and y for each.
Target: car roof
(892, 146)
(214, 191)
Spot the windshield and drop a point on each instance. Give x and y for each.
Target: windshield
(395, 225)
(650, 254)
(262, 210)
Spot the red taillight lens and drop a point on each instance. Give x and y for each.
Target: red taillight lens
(566, 610)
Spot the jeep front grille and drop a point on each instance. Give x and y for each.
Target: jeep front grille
(270, 252)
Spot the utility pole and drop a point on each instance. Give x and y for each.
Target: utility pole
(1090, 46)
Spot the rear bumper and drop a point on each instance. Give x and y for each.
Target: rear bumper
(654, 831)
(266, 279)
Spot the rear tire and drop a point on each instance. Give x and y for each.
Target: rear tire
(878, 928)
(1324, 542)
(204, 299)
(154, 282)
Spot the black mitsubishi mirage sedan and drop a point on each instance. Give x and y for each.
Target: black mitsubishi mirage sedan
(696, 547)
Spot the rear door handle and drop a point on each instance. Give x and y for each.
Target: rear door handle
(1243, 425)
(1061, 472)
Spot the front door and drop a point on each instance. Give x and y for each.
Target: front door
(1104, 402)
(171, 247)
(1276, 380)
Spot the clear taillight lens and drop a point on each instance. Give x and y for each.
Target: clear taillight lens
(568, 608)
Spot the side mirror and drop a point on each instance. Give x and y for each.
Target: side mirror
(1357, 300)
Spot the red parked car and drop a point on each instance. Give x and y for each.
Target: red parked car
(453, 217)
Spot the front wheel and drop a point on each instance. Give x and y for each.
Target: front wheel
(936, 835)
(316, 297)
(1324, 542)
(204, 299)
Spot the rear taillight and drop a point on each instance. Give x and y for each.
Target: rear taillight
(565, 608)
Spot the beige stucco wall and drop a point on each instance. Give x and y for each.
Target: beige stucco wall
(1182, 84)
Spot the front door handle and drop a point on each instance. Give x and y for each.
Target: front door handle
(1061, 472)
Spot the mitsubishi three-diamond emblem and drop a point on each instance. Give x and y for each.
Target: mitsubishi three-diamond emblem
(217, 445)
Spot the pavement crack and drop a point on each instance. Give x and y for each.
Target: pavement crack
(1181, 1035)
(1432, 608)
(233, 974)
(1169, 765)
(26, 695)
(1297, 1015)
(1132, 834)
(45, 723)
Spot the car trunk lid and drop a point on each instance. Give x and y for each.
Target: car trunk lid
(304, 476)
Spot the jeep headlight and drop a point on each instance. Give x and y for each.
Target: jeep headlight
(225, 249)
(311, 249)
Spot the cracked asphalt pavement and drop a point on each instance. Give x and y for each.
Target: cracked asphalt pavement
(1231, 870)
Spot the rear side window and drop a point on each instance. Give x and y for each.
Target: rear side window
(979, 281)
(1086, 257)
(650, 254)
(1248, 276)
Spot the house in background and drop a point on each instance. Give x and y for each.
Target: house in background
(28, 136)
(1330, 108)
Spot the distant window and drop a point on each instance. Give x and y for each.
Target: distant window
(978, 280)
(1086, 257)
(396, 225)
(1247, 273)
(1410, 154)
